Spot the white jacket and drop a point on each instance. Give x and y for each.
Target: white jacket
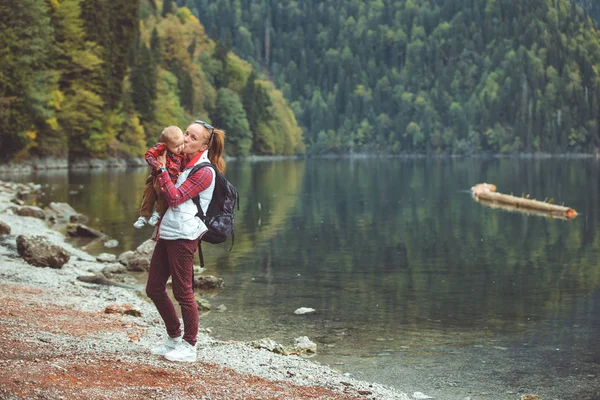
(181, 222)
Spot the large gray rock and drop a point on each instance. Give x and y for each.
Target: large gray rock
(113, 270)
(29, 211)
(38, 251)
(81, 230)
(125, 257)
(4, 228)
(208, 282)
(147, 247)
(139, 260)
(138, 263)
(64, 212)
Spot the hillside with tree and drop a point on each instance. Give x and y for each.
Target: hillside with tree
(97, 78)
(428, 76)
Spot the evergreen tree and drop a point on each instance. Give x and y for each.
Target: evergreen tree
(167, 7)
(143, 84)
(192, 48)
(221, 55)
(79, 64)
(231, 116)
(155, 46)
(113, 26)
(25, 50)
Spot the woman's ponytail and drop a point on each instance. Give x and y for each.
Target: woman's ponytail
(215, 152)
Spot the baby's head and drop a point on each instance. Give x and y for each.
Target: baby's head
(173, 138)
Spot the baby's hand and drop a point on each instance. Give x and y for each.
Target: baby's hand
(162, 159)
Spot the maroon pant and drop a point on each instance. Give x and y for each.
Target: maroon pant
(153, 196)
(174, 258)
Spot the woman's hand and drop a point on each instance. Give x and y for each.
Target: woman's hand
(162, 160)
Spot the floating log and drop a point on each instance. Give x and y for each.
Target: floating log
(485, 193)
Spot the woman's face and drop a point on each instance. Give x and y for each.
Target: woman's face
(195, 139)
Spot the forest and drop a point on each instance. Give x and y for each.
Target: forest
(100, 78)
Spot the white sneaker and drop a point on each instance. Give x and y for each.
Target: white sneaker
(140, 223)
(168, 345)
(183, 352)
(154, 219)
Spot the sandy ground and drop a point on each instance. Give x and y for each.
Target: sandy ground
(59, 343)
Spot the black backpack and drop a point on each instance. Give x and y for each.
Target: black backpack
(219, 217)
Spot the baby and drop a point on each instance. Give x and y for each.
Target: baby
(171, 141)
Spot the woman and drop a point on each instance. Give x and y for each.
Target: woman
(177, 237)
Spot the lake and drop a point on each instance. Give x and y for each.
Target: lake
(415, 284)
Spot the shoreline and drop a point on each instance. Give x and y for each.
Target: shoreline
(63, 164)
(56, 326)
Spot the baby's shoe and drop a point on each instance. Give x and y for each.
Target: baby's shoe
(140, 223)
(154, 219)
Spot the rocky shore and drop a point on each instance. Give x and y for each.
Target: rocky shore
(78, 326)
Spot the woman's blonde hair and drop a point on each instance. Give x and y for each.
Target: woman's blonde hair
(216, 148)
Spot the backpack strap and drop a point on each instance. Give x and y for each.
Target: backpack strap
(237, 202)
(201, 261)
(200, 255)
(196, 200)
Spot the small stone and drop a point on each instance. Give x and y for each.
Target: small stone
(305, 345)
(106, 258)
(203, 304)
(304, 310)
(124, 309)
(530, 397)
(421, 396)
(111, 243)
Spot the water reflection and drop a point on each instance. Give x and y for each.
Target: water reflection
(394, 254)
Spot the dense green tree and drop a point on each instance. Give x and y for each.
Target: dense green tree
(167, 107)
(113, 25)
(256, 102)
(155, 46)
(167, 7)
(231, 117)
(143, 83)
(221, 55)
(79, 63)
(25, 83)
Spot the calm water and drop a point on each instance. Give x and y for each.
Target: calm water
(406, 271)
